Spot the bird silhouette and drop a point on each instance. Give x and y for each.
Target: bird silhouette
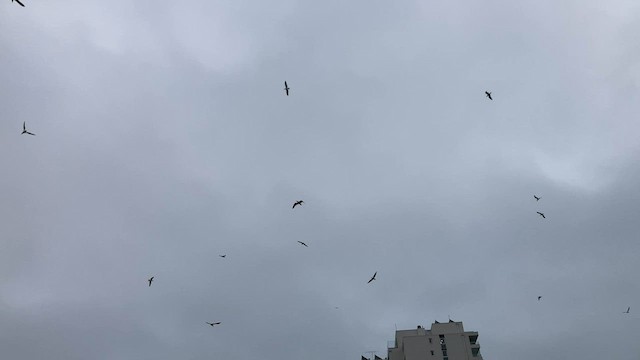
(223, 256)
(535, 197)
(301, 243)
(373, 277)
(24, 129)
(214, 324)
(539, 297)
(299, 202)
(628, 309)
(541, 214)
(488, 95)
(150, 280)
(18, 1)
(286, 88)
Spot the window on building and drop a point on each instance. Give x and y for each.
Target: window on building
(475, 352)
(444, 352)
(432, 353)
(473, 339)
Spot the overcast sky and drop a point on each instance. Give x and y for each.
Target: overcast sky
(164, 139)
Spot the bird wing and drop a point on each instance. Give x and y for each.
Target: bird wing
(18, 1)
(30, 133)
(24, 126)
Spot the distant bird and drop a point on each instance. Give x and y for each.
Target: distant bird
(18, 1)
(303, 243)
(214, 324)
(488, 95)
(541, 214)
(539, 297)
(373, 277)
(286, 88)
(626, 312)
(223, 256)
(535, 197)
(150, 280)
(299, 202)
(24, 128)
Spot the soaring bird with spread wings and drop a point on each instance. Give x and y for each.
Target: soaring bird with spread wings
(537, 198)
(541, 214)
(373, 277)
(299, 202)
(301, 243)
(24, 129)
(150, 280)
(214, 324)
(18, 1)
(488, 94)
(286, 88)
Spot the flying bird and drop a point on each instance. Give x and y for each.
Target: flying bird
(539, 297)
(541, 214)
(223, 256)
(150, 280)
(626, 312)
(373, 277)
(214, 324)
(18, 1)
(301, 243)
(286, 88)
(535, 197)
(24, 129)
(299, 202)
(488, 95)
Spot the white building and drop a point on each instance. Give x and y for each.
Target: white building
(445, 341)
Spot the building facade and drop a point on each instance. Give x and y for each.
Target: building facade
(444, 341)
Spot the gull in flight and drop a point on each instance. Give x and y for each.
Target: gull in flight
(488, 95)
(535, 197)
(539, 297)
(299, 202)
(214, 324)
(301, 243)
(541, 214)
(626, 312)
(286, 88)
(150, 280)
(24, 129)
(223, 256)
(18, 1)
(373, 277)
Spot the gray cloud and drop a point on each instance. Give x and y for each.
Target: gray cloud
(164, 139)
